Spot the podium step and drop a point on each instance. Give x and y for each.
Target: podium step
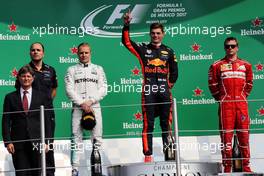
(163, 168)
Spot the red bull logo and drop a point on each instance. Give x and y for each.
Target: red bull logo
(156, 70)
(157, 62)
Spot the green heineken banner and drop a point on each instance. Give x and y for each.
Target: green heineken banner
(195, 30)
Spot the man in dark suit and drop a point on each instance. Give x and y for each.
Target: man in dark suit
(21, 125)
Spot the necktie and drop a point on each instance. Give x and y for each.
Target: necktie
(25, 101)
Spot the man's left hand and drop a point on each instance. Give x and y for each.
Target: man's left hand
(86, 106)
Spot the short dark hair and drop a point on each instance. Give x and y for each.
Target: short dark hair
(23, 70)
(37, 43)
(156, 26)
(83, 44)
(230, 38)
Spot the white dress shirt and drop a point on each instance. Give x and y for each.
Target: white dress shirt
(29, 95)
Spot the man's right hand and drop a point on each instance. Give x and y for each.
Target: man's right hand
(10, 148)
(170, 85)
(127, 18)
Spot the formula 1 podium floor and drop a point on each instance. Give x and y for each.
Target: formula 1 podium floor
(163, 168)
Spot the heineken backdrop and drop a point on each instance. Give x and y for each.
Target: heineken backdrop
(195, 30)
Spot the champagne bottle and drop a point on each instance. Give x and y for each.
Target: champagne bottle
(173, 148)
(169, 150)
(96, 166)
(236, 155)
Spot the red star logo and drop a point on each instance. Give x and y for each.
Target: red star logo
(261, 111)
(12, 27)
(138, 116)
(196, 47)
(14, 72)
(74, 50)
(257, 22)
(259, 67)
(198, 92)
(135, 71)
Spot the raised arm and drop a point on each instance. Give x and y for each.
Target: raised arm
(127, 42)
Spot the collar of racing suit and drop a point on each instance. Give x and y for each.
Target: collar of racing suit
(85, 64)
(156, 45)
(229, 59)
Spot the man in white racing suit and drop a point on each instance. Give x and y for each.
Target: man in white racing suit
(85, 85)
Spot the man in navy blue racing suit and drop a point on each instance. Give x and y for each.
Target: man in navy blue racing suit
(160, 71)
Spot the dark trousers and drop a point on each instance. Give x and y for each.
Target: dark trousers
(25, 158)
(50, 162)
(152, 111)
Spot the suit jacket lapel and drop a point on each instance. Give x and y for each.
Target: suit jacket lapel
(19, 101)
(33, 101)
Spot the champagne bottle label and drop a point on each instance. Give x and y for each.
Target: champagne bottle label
(169, 150)
(96, 167)
(169, 153)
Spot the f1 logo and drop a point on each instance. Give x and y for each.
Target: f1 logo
(138, 12)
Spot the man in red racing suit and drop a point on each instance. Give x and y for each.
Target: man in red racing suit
(160, 71)
(230, 82)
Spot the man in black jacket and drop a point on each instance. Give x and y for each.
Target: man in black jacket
(45, 80)
(21, 125)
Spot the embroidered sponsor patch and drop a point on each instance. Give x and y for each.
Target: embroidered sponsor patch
(226, 67)
(241, 67)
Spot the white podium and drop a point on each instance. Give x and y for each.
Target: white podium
(165, 169)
